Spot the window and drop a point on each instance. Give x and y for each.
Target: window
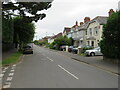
(90, 31)
(86, 32)
(98, 42)
(96, 31)
(88, 43)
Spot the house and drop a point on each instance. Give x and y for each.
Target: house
(66, 31)
(73, 31)
(52, 38)
(95, 29)
(78, 32)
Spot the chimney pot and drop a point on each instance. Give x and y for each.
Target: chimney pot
(86, 19)
(111, 11)
(81, 23)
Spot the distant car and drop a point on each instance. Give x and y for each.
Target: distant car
(70, 48)
(28, 49)
(93, 52)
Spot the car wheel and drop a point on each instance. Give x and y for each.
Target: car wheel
(92, 54)
(32, 52)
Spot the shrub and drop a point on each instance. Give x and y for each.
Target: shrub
(111, 35)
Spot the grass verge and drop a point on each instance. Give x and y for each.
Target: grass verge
(12, 59)
(82, 54)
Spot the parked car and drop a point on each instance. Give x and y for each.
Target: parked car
(75, 49)
(70, 48)
(93, 52)
(87, 46)
(28, 49)
(63, 47)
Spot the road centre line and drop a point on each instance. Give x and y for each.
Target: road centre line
(68, 72)
(49, 59)
(1, 75)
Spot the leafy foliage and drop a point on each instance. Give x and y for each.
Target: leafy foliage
(28, 10)
(21, 29)
(24, 31)
(7, 30)
(61, 41)
(110, 45)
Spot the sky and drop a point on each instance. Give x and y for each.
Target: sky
(64, 13)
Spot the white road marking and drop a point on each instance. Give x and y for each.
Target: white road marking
(3, 71)
(6, 86)
(68, 72)
(11, 74)
(1, 75)
(12, 70)
(50, 59)
(9, 78)
(14, 65)
(5, 68)
(8, 83)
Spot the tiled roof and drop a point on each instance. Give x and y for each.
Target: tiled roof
(83, 26)
(56, 36)
(67, 29)
(100, 19)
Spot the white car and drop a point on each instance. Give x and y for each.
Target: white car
(93, 52)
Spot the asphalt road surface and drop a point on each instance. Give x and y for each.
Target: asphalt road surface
(49, 69)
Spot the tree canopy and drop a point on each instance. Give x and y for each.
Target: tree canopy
(23, 32)
(30, 11)
(18, 17)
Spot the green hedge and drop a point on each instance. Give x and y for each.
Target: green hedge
(110, 45)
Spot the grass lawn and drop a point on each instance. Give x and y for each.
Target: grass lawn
(12, 59)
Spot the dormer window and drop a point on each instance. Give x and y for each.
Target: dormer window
(86, 32)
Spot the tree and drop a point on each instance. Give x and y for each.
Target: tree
(23, 31)
(62, 41)
(110, 45)
(28, 10)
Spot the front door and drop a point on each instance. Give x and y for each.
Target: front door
(92, 43)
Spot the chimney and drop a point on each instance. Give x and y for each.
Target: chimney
(86, 19)
(76, 23)
(111, 12)
(81, 23)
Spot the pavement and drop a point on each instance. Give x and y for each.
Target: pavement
(96, 61)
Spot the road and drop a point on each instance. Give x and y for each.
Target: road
(50, 69)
